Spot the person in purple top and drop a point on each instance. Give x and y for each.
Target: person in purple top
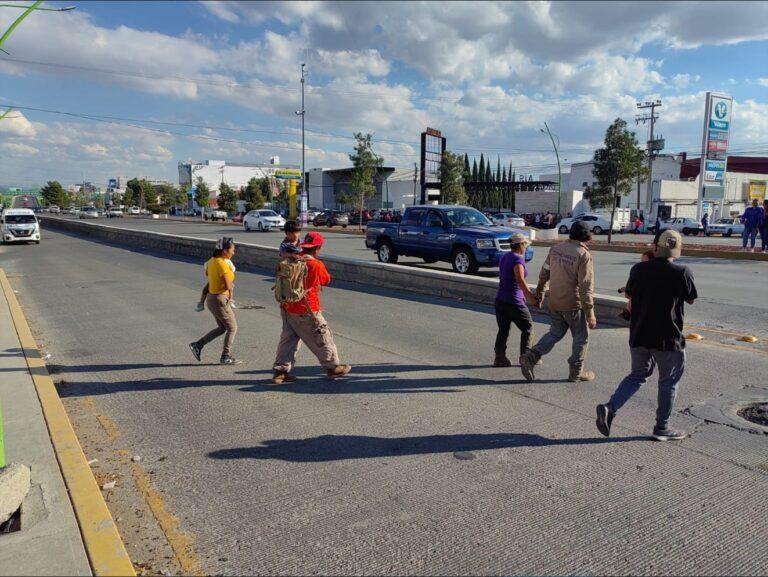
(753, 221)
(511, 301)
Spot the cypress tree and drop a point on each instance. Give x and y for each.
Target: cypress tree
(481, 174)
(488, 173)
(509, 172)
(466, 167)
(474, 170)
(498, 169)
(504, 174)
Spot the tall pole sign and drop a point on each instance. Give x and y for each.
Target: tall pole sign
(714, 147)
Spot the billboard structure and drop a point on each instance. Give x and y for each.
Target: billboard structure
(714, 147)
(432, 149)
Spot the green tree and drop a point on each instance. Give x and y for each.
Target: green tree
(53, 193)
(504, 174)
(481, 170)
(133, 187)
(616, 165)
(127, 199)
(227, 199)
(474, 170)
(452, 179)
(202, 193)
(488, 173)
(98, 201)
(467, 174)
(254, 195)
(498, 169)
(366, 164)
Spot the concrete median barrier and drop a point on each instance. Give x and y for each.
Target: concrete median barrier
(438, 283)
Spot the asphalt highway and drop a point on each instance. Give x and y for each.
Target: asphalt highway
(732, 292)
(424, 461)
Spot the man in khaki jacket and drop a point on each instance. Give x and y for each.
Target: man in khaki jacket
(568, 271)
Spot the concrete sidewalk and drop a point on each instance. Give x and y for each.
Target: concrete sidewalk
(49, 542)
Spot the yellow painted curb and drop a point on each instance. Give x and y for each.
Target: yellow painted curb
(105, 549)
(748, 339)
(694, 337)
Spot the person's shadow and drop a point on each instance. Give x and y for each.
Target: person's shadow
(341, 447)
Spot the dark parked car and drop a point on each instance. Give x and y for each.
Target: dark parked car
(331, 218)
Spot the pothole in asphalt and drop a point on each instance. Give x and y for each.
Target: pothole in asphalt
(755, 413)
(13, 524)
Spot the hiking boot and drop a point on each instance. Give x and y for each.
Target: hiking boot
(196, 350)
(668, 434)
(502, 361)
(576, 375)
(227, 360)
(527, 362)
(281, 378)
(604, 419)
(338, 371)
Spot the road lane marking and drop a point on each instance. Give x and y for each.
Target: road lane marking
(103, 544)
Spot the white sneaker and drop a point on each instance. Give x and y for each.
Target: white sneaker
(751, 250)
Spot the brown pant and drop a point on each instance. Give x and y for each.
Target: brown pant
(314, 332)
(225, 319)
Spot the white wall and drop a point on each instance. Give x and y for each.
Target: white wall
(213, 172)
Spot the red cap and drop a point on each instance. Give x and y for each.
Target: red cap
(312, 240)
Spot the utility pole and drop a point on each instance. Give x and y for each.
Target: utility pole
(415, 179)
(559, 172)
(653, 145)
(302, 113)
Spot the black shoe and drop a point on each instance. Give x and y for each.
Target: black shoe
(668, 434)
(196, 350)
(604, 419)
(227, 360)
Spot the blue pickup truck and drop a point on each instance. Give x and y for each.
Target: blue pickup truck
(459, 235)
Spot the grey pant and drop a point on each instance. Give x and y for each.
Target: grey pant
(225, 321)
(560, 322)
(314, 332)
(671, 367)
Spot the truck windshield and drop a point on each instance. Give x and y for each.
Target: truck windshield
(19, 219)
(466, 217)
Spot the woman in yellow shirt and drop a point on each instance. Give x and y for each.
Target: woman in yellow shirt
(221, 283)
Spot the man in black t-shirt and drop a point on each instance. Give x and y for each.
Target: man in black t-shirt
(658, 290)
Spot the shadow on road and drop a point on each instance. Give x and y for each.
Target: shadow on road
(342, 447)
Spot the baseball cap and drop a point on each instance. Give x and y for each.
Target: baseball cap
(519, 238)
(670, 244)
(224, 243)
(312, 240)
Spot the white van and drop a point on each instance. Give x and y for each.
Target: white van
(19, 225)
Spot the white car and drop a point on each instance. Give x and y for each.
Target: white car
(89, 212)
(263, 220)
(508, 219)
(134, 210)
(214, 214)
(598, 224)
(726, 227)
(19, 225)
(74, 211)
(686, 226)
(114, 212)
(54, 209)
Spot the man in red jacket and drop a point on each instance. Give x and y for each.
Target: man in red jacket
(304, 321)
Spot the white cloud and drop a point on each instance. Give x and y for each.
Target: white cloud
(681, 81)
(17, 149)
(762, 81)
(16, 124)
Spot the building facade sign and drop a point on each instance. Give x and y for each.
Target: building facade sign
(714, 158)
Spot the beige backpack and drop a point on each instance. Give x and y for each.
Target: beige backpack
(289, 281)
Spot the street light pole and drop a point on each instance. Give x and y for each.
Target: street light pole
(559, 172)
(304, 200)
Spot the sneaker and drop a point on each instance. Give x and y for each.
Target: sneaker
(196, 350)
(604, 419)
(281, 378)
(227, 360)
(526, 366)
(232, 304)
(580, 375)
(752, 249)
(200, 307)
(668, 434)
(501, 361)
(338, 371)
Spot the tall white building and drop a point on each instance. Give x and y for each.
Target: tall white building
(236, 175)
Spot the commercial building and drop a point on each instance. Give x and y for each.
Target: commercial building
(329, 188)
(236, 175)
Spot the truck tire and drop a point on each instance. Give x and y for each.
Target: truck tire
(463, 261)
(386, 252)
(563, 229)
(729, 233)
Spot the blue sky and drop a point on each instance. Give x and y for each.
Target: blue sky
(487, 74)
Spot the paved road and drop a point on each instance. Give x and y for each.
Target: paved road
(425, 461)
(733, 292)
